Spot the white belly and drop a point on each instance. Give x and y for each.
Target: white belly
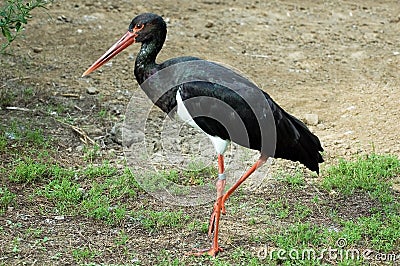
(219, 144)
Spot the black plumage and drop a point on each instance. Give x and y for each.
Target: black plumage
(294, 141)
(222, 103)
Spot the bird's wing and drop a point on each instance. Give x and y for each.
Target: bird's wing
(230, 113)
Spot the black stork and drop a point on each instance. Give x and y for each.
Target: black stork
(292, 139)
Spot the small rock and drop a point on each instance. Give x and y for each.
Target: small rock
(209, 24)
(92, 90)
(59, 218)
(79, 148)
(311, 119)
(11, 135)
(64, 19)
(352, 107)
(37, 49)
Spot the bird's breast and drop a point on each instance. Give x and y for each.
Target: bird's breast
(219, 144)
(183, 113)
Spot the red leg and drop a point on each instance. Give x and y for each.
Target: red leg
(216, 214)
(257, 164)
(219, 205)
(220, 185)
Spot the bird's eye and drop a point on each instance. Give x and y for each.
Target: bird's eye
(139, 26)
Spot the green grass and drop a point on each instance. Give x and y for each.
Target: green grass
(91, 153)
(295, 181)
(380, 231)
(112, 196)
(383, 231)
(64, 192)
(102, 113)
(29, 171)
(103, 170)
(238, 256)
(371, 173)
(279, 208)
(6, 199)
(301, 212)
(152, 220)
(196, 174)
(101, 200)
(122, 239)
(20, 133)
(33, 232)
(3, 142)
(84, 253)
(98, 192)
(7, 97)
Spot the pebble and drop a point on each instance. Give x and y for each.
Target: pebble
(209, 24)
(311, 119)
(37, 49)
(64, 19)
(92, 90)
(79, 148)
(59, 218)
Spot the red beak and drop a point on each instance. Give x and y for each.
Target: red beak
(120, 45)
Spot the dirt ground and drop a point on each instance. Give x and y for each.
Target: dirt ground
(336, 59)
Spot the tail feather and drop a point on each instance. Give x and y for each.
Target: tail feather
(295, 142)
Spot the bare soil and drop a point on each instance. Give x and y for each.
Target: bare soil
(339, 60)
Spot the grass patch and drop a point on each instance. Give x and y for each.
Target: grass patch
(279, 208)
(84, 253)
(371, 173)
(91, 153)
(295, 181)
(21, 134)
(301, 211)
(103, 170)
(100, 200)
(3, 142)
(379, 232)
(29, 171)
(6, 199)
(64, 192)
(152, 220)
(197, 174)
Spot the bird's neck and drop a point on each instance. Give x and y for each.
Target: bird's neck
(145, 64)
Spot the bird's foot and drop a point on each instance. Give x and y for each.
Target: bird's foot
(219, 207)
(213, 251)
